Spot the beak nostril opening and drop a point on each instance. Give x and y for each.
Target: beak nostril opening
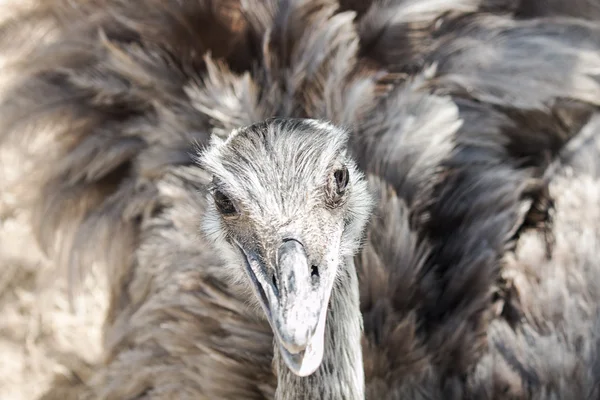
(314, 271)
(274, 279)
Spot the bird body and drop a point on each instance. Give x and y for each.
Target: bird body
(195, 151)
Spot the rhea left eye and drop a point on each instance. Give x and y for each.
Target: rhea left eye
(224, 203)
(341, 180)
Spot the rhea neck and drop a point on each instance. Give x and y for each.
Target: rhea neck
(341, 374)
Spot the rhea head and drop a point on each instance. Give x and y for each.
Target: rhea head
(287, 209)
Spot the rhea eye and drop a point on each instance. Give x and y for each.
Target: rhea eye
(341, 180)
(224, 203)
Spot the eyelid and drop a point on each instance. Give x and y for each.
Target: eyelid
(214, 185)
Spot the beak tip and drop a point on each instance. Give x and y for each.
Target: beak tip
(301, 364)
(303, 357)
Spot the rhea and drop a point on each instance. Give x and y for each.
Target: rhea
(287, 208)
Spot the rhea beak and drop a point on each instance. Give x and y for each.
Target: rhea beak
(295, 301)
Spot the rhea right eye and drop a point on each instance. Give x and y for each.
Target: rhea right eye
(341, 180)
(224, 203)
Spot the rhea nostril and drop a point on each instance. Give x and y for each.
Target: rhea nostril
(274, 279)
(314, 271)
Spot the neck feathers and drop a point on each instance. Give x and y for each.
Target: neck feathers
(341, 374)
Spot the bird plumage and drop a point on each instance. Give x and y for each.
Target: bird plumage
(475, 122)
